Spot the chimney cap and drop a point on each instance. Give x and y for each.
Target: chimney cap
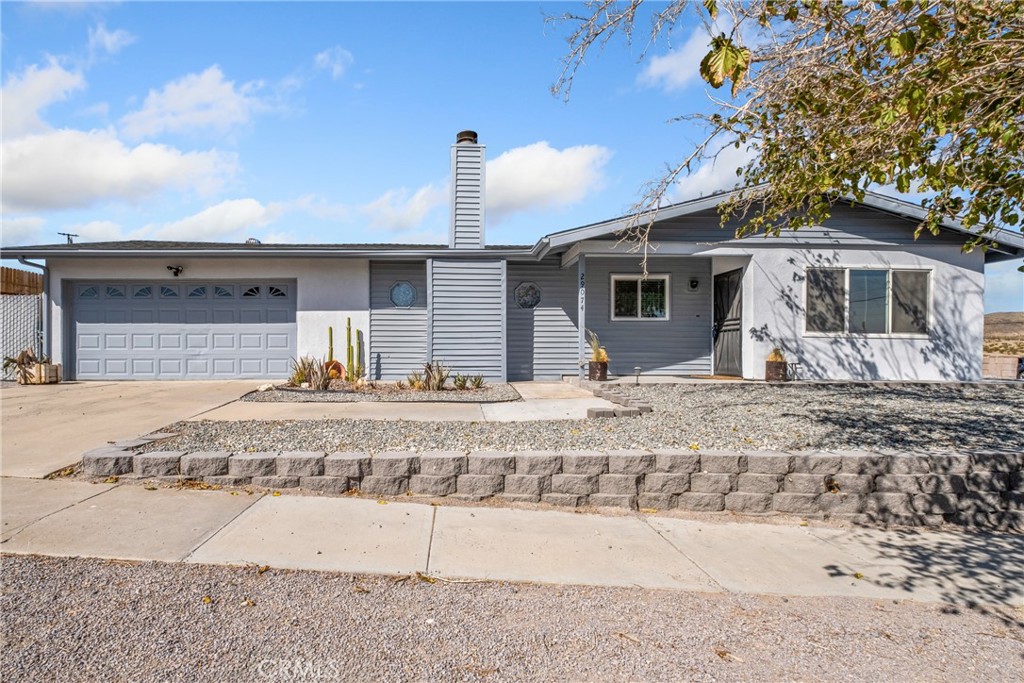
(466, 136)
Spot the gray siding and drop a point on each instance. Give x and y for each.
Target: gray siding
(467, 201)
(680, 345)
(467, 316)
(849, 225)
(398, 336)
(543, 342)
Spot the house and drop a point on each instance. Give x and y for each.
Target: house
(857, 298)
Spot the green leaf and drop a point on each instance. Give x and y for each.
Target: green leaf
(712, 7)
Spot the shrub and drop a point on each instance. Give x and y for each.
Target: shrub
(460, 382)
(415, 381)
(477, 381)
(435, 376)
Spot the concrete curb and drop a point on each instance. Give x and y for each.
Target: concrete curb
(976, 488)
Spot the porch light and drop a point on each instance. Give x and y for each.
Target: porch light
(175, 270)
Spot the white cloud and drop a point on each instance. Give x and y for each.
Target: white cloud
(234, 218)
(398, 210)
(538, 176)
(71, 168)
(24, 96)
(95, 231)
(195, 101)
(714, 175)
(109, 42)
(336, 60)
(22, 230)
(676, 69)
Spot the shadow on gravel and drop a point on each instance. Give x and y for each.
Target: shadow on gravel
(977, 570)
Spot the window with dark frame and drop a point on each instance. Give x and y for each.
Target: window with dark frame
(867, 301)
(637, 298)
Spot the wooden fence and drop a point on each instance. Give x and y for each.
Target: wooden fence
(15, 281)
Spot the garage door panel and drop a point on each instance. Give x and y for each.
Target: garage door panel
(183, 330)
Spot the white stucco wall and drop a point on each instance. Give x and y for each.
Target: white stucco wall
(774, 305)
(329, 290)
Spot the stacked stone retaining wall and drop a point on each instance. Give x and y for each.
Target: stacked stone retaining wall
(981, 488)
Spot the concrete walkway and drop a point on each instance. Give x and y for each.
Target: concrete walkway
(480, 543)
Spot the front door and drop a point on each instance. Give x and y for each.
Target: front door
(728, 315)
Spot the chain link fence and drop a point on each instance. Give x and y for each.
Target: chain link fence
(21, 316)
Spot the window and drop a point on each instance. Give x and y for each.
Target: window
(89, 292)
(527, 295)
(403, 294)
(224, 291)
(253, 291)
(277, 291)
(636, 298)
(197, 292)
(867, 301)
(115, 292)
(142, 292)
(168, 292)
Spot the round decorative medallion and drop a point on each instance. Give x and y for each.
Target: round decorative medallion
(527, 295)
(403, 294)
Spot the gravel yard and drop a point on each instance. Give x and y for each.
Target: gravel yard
(491, 393)
(88, 620)
(749, 417)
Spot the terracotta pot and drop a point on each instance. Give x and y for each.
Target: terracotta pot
(776, 371)
(597, 371)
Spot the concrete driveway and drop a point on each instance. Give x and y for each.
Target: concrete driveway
(46, 428)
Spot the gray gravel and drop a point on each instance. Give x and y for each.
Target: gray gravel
(490, 393)
(749, 417)
(89, 620)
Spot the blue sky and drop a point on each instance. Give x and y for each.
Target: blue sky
(331, 122)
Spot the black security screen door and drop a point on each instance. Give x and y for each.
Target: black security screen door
(728, 314)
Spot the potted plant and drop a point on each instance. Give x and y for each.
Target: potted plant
(597, 368)
(775, 366)
(32, 370)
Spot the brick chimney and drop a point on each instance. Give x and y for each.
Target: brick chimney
(466, 229)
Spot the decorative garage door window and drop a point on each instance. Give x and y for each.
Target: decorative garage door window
(88, 293)
(115, 292)
(527, 295)
(197, 292)
(277, 291)
(403, 294)
(143, 292)
(224, 292)
(168, 292)
(251, 292)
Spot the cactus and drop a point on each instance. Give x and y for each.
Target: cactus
(330, 344)
(350, 367)
(359, 353)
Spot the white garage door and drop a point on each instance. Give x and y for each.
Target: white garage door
(183, 330)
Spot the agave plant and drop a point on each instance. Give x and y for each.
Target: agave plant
(477, 381)
(435, 376)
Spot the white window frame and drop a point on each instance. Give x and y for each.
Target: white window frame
(888, 334)
(640, 278)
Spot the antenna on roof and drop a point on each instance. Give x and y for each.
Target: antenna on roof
(69, 235)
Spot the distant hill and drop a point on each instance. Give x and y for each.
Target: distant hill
(1004, 333)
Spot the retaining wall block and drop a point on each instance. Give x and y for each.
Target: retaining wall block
(353, 465)
(758, 483)
(804, 483)
(663, 482)
(575, 484)
(327, 484)
(981, 501)
(1016, 482)
(630, 462)
(227, 480)
(818, 463)
(527, 484)
(841, 503)
(480, 484)
(519, 497)
(906, 463)
(443, 463)
(276, 482)
(769, 462)
(157, 463)
(701, 502)
(564, 499)
(600, 413)
(433, 484)
(205, 464)
(584, 462)
(252, 464)
(796, 503)
(300, 464)
(491, 462)
(704, 482)
(722, 462)
(538, 462)
(950, 464)
(879, 505)
(1001, 521)
(657, 501)
(627, 412)
(748, 502)
(619, 484)
(897, 483)
(395, 464)
(675, 461)
(613, 500)
(852, 483)
(942, 483)
(862, 462)
(107, 462)
(988, 481)
(378, 485)
(995, 461)
(935, 503)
